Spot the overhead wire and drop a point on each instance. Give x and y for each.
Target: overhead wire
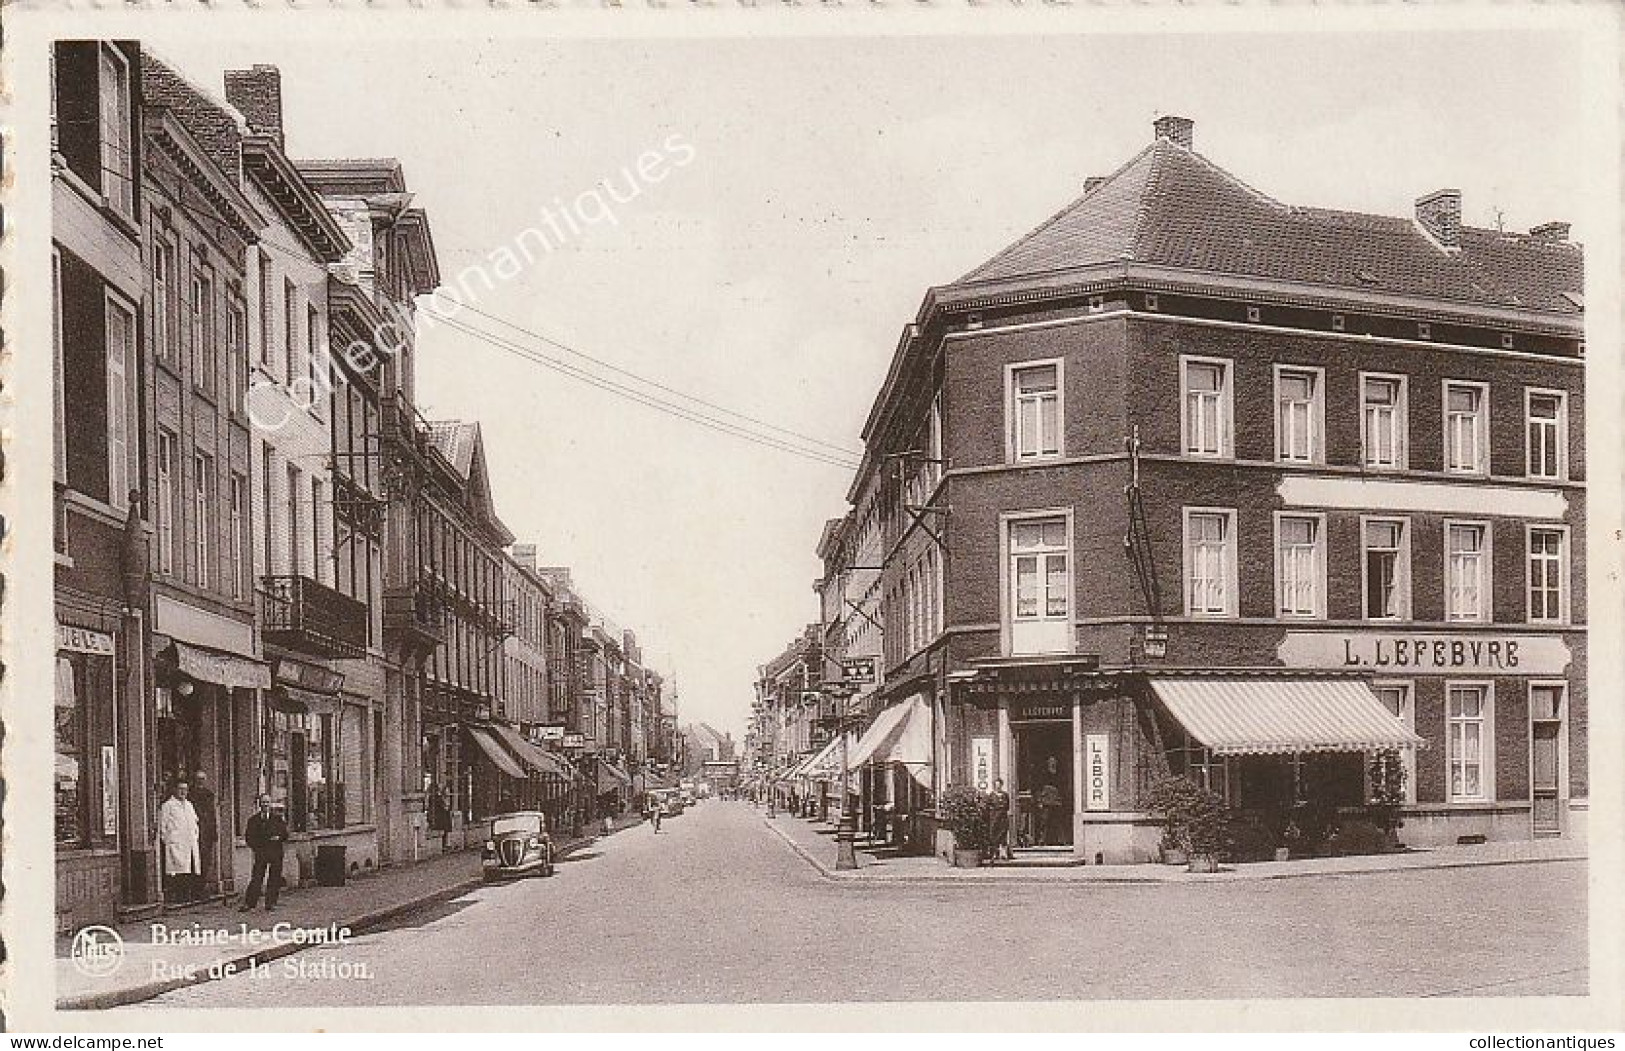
(651, 401)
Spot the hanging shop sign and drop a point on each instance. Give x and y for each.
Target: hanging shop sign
(575, 740)
(859, 671)
(981, 763)
(1097, 772)
(551, 732)
(308, 676)
(83, 640)
(1425, 654)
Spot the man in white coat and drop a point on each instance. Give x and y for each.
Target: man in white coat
(178, 846)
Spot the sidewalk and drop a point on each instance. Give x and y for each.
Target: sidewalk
(815, 843)
(364, 902)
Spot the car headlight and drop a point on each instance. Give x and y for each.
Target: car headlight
(490, 848)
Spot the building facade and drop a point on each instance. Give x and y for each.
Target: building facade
(1245, 491)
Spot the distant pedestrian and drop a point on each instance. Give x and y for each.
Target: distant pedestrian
(656, 809)
(178, 846)
(265, 833)
(1049, 800)
(998, 804)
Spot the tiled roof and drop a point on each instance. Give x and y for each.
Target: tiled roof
(455, 440)
(1169, 206)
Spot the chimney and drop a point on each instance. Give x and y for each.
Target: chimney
(1093, 181)
(1181, 131)
(1440, 215)
(257, 95)
(1555, 232)
(525, 555)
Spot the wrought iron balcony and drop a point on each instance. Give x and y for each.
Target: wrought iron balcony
(304, 615)
(415, 616)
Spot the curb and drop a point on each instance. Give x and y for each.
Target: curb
(1227, 878)
(366, 921)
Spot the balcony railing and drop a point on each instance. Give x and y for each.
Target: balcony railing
(415, 615)
(302, 614)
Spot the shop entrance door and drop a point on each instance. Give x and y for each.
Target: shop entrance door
(1043, 783)
(1545, 759)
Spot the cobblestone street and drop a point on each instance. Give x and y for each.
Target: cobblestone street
(718, 908)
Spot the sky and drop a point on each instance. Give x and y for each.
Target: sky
(826, 184)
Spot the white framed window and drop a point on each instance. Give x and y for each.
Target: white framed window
(117, 155)
(163, 299)
(296, 552)
(239, 523)
(1467, 571)
(236, 352)
(1035, 410)
(1398, 696)
(267, 306)
(121, 357)
(1300, 565)
(203, 517)
(1469, 741)
(1548, 574)
(1040, 570)
(1385, 557)
(1466, 427)
(164, 507)
(1546, 428)
(290, 329)
(1299, 413)
(201, 324)
(1210, 562)
(59, 392)
(1205, 394)
(1383, 420)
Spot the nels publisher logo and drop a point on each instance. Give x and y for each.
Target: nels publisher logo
(97, 951)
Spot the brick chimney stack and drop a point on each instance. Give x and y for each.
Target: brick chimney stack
(1181, 131)
(1555, 232)
(525, 555)
(257, 95)
(1440, 215)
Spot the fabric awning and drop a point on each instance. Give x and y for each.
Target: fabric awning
(828, 762)
(536, 758)
(820, 760)
(499, 756)
(901, 734)
(1261, 716)
(224, 669)
(611, 779)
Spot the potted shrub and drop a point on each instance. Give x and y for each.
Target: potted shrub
(1177, 801)
(1387, 775)
(964, 812)
(1207, 833)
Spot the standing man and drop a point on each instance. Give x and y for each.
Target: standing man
(657, 807)
(1049, 800)
(208, 831)
(265, 834)
(178, 846)
(998, 803)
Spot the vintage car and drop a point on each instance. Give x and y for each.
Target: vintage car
(671, 803)
(519, 846)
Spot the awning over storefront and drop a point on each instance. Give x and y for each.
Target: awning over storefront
(536, 758)
(611, 779)
(1263, 716)
(223, 669)
(900, 734)
(827, 763)
(487, 740)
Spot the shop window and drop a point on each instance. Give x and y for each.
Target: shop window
(72, 782)
(1469, 742)
(1386, 553)
(1382, 421)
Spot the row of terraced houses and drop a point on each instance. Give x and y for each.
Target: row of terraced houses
(1190, 481)
(270, 569)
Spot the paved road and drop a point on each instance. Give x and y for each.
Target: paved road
(717, 909)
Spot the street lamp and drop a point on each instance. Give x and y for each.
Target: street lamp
(846, 854)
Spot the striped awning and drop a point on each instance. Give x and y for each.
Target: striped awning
(495, 752)
(1283, 716)
(901, 734)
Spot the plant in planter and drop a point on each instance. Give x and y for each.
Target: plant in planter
(1182, 803)
(1387, 776)
(1208, 833)
(964, 812)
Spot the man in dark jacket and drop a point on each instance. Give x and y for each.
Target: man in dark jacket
(265, 834)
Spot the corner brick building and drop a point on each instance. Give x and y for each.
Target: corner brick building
(1190, 480)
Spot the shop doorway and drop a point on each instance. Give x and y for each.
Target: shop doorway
(1043, 783)
(1545, 759)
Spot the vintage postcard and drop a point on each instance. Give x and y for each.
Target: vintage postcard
(744, 516)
